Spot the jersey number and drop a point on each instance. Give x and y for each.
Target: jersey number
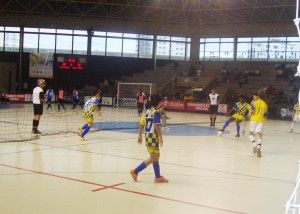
(148, 125)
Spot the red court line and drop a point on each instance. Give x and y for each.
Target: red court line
(124, 190)
(179, 201)
(102, 188)
(53, 175)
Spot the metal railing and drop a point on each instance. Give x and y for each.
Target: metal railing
(293, 204)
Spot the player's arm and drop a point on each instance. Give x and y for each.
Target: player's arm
(157, 127)
(42, 96)
(141, 127)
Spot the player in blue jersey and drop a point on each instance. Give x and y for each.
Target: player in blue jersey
(50, 95)
(93, 104)
(150, 122)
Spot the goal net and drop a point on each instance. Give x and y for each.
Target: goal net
(126, 96)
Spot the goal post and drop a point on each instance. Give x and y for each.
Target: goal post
(127, 91)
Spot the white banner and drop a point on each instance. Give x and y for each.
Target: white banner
(41, 65)
(127, 102)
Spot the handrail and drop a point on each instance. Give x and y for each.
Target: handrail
(293, 204)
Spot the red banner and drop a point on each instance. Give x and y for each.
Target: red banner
(16, 98)
(192, 106)
(19, 98)
(173, 105)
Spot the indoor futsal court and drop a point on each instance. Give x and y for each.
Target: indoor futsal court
(150, 106)
(207, 173)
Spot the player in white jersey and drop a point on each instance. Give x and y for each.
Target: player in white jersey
(93, 104)
(296, 116)
(213, 107)
(38, 100)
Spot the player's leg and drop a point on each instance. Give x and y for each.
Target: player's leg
(86, 128)
(259, 133)
(155, 162)
(58, 104)
(238, 128)
(227, 122)
(214, 119)
(63, 104)
(252, 127)
(38, 111)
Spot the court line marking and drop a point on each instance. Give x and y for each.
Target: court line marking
(124, 190)
(173, 164)
(107, 187)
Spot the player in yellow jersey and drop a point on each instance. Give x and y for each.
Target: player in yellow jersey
(258, 113)
(296, 116)
(241, 110)
(150, 122)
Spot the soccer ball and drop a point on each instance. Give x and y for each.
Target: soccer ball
(220, 133)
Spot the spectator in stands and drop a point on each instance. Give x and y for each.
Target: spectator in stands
(4, 98)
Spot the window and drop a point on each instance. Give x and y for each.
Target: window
(226, 51)
(12, 41)
(188, 51)
(64, 44)
(1, 41)
(112, 34)
(99, 33)
(277, 47)
(259, 49)
(243, 51)
(130, 35)
(212, 51)
(80, 32)
(64, 31)
(30, 42)
(143, 36)
(178, 51)
(293, 51)
(47, 30)
(201, 51)
(145, 48)
(80, 45)
(12, 29)
(114, 47)
(47, 43)
(163, 50)
(98, 46)
(130, 47)
(33, 30)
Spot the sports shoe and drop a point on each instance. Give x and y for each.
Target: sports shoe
(220, 132)
(82, 139)
(35, 131)
(133, 175)
(161, 179)
(237, 135)
(292, 130)
(258, 152)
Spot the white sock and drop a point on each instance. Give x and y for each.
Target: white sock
(292, 126)
(259, 142)
(251, 138)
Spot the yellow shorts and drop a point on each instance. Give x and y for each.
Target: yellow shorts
(238, 117)
(88, 119)
(152, 143)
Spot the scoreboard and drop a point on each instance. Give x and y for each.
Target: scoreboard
(71, 63)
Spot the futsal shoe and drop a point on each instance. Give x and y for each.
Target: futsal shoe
(35, 131)
(292, 130)
(237, 135)
(82, 139)
(133, 175)
(161, 179)
(258, 152)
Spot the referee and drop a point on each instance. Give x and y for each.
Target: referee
(38, 99)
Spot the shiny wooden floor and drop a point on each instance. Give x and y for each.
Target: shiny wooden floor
(208, 174)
